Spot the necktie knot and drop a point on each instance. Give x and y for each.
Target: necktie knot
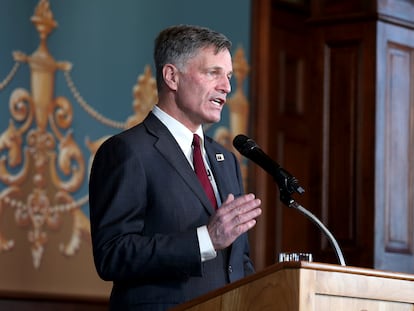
(196, 141)
(197, 155)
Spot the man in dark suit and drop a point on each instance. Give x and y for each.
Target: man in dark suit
(155, 233)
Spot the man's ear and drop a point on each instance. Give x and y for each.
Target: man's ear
(170, 74)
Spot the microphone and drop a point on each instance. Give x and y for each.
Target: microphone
(248, 147)
(286, 182)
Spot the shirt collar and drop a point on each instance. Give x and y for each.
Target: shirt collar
(182, 134)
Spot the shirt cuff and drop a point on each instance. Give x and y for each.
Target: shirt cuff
(207, 250)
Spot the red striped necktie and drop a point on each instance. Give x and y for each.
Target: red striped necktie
(201, 172)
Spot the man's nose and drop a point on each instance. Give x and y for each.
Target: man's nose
(225, 85)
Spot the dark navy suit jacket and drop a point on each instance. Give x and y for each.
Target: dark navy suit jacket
(145, 205)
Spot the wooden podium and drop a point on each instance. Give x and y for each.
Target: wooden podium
(294, 286)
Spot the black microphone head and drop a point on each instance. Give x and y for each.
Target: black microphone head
(239, 141)
(248, 147)
(243, 144)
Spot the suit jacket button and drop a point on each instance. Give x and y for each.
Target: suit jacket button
(230, 269)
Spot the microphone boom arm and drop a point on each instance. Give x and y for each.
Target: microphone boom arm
(293, 204)
(287, 186)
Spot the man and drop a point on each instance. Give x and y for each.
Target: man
(155, 233)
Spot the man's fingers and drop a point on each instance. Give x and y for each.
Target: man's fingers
(229, 198)
(233, 203)
(245, 227)
(235, 217)
(247, 215)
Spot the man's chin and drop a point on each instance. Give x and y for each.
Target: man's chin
(214, 120)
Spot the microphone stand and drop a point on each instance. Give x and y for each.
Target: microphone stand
(285, 192)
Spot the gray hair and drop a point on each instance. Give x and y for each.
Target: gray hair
(177, 44)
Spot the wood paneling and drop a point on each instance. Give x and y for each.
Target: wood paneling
(320, 126)
(263, 235)
(337, 111)
(395, 153)
(279, 96)
(397, 11)
(344, 101)
(304, 286)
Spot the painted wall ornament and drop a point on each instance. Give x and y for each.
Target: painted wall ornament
(42, 167)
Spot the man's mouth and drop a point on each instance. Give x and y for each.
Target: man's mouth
(218, 101)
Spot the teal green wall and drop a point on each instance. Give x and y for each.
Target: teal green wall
(109, 43)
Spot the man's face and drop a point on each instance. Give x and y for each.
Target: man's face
(203, 87)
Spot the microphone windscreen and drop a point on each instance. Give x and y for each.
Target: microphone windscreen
(239, 141)
(244, 145)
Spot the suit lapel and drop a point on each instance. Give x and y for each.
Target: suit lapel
(171, 151)
(218, 164)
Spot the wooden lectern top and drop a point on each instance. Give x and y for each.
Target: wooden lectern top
(311, 286)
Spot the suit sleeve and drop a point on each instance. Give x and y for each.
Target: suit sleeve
(118, 204)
